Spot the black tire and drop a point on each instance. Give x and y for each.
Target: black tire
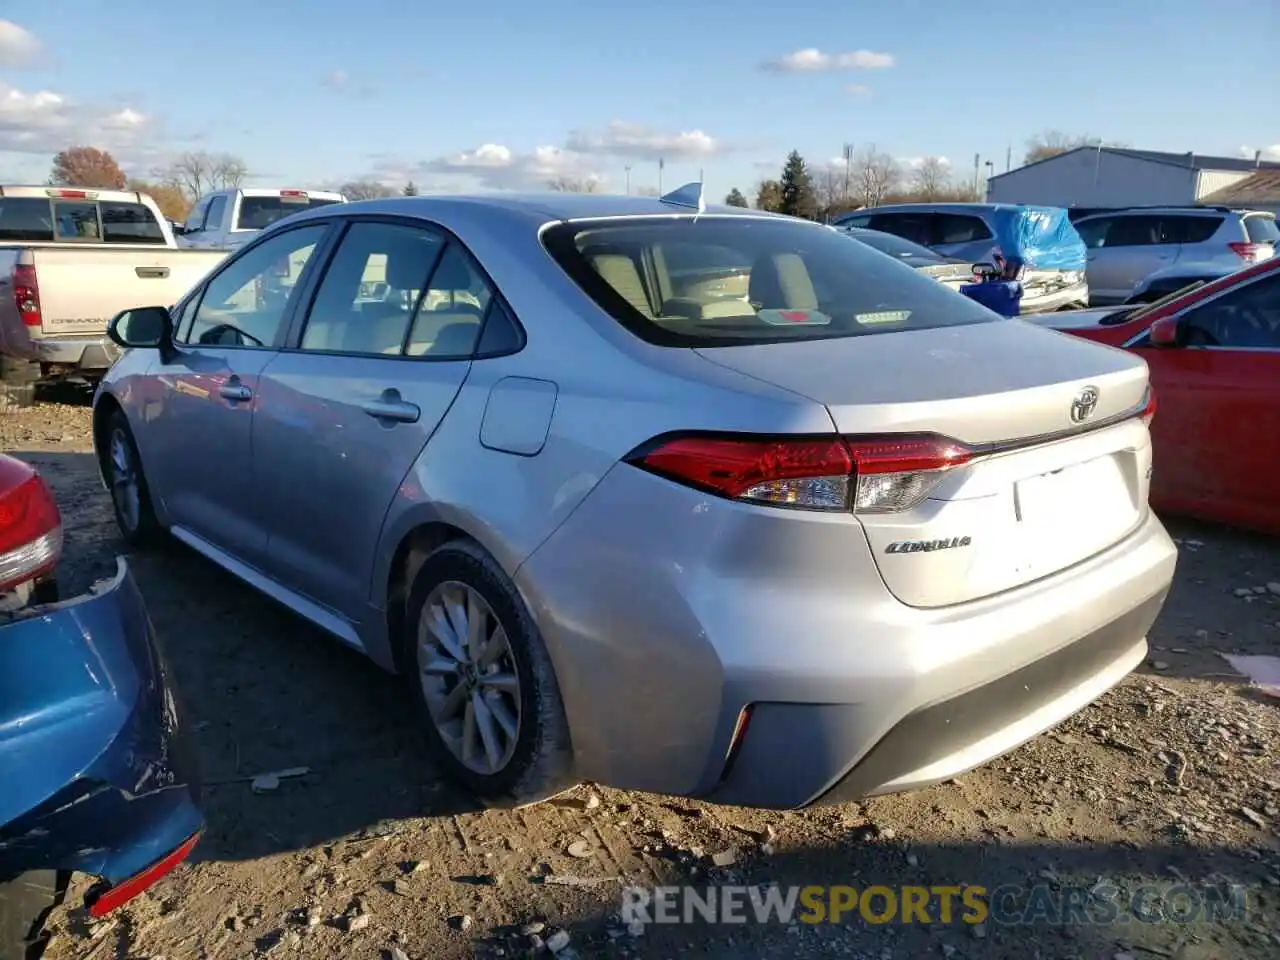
(541, 763)
(18, 382)
(24, 903)
(146, 531)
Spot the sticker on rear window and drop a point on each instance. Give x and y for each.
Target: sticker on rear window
(794, 318)
(884, 316)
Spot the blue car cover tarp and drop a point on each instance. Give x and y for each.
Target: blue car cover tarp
(1039, 238)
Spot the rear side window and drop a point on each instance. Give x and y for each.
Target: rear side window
(957, 228)
(1261, 229)
(1133, 232)
(802, 282)
(129, 223)
(27, 219)
(1189, 229)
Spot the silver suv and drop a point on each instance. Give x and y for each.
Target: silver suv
(1126, 246)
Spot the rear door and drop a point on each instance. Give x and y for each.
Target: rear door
(1261, 231)
(348, 407)
(962, 236)
(1131, 249)
(1216, 452)
(198, 437)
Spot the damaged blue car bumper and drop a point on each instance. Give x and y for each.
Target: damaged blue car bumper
(96, 774)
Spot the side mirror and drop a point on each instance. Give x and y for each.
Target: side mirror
(142, 327)
(985, 270)
(1164, 332)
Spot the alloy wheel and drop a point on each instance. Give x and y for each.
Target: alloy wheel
(124, 480)
(469, 677)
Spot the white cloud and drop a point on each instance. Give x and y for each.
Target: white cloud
(44, 122)
(915, 163)
(18, 46)
(858, 90)
(630, 140)
(1268, 153)
(813, 60)
(586, 155)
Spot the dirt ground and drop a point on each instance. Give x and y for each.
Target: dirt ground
(1172, 780)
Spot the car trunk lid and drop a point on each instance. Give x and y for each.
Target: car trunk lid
(1045, 489)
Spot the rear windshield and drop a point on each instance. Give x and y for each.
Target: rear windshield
(258, 213)
(38, 220)
(789, 280)
(904, 250)
(1262, 229)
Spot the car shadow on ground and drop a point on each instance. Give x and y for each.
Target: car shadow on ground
(1092, 900)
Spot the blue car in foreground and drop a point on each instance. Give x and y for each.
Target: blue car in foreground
(95, 773)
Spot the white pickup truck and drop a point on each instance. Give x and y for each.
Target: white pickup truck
(70, 260)
(231, 218)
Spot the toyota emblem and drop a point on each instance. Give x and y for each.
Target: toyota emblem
(1084, 405)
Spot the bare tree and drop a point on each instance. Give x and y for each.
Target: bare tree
(196, 174)
(574, 184)
(365, 190)
(828, 184)
(1050, 143)
(86, 167)
(931, 179)
(875, 174)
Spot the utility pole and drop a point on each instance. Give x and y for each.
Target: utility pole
(991, 170)
(1008, 158)
(977, 160)
(848, 168)
(661, 164)
(628, 169)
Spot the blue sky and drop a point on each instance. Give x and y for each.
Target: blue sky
(508, 93)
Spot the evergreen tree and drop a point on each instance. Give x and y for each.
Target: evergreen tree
(410, 189)
(799, 199)
(769, 196)
(735, 198)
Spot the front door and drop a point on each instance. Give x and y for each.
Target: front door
(200, 431)
(1214, 435)
(346, 409)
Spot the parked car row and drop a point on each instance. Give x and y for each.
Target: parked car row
(1132, 255)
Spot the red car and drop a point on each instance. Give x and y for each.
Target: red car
(1214, 355)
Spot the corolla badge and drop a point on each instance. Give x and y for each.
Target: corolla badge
(927, 546)
(1084, 405)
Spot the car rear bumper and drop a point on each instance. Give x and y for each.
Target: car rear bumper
(98, 775)
(666, 624)
(71, 355)
(1076, 295)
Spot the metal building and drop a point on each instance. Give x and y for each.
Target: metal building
(1117, 177)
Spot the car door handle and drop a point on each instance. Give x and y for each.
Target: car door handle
(393, 408)
(235, 391)
(151, 273)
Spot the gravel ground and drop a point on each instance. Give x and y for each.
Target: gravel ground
(1172, 779)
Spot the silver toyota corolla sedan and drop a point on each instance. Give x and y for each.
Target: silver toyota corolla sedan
(700, 501)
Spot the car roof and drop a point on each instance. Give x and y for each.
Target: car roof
(926, 206)
(539, 208)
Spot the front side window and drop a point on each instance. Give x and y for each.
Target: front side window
(804, 282)
(244, 303)
(367, 298)
(959, 228)
(213, 219)
(1133, 232)
(1247, 317)
(1094, 232)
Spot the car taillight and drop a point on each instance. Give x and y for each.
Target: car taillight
(30, 527)
(1249, 252)
(1149, 406)
(878, 474)
(26, 295)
